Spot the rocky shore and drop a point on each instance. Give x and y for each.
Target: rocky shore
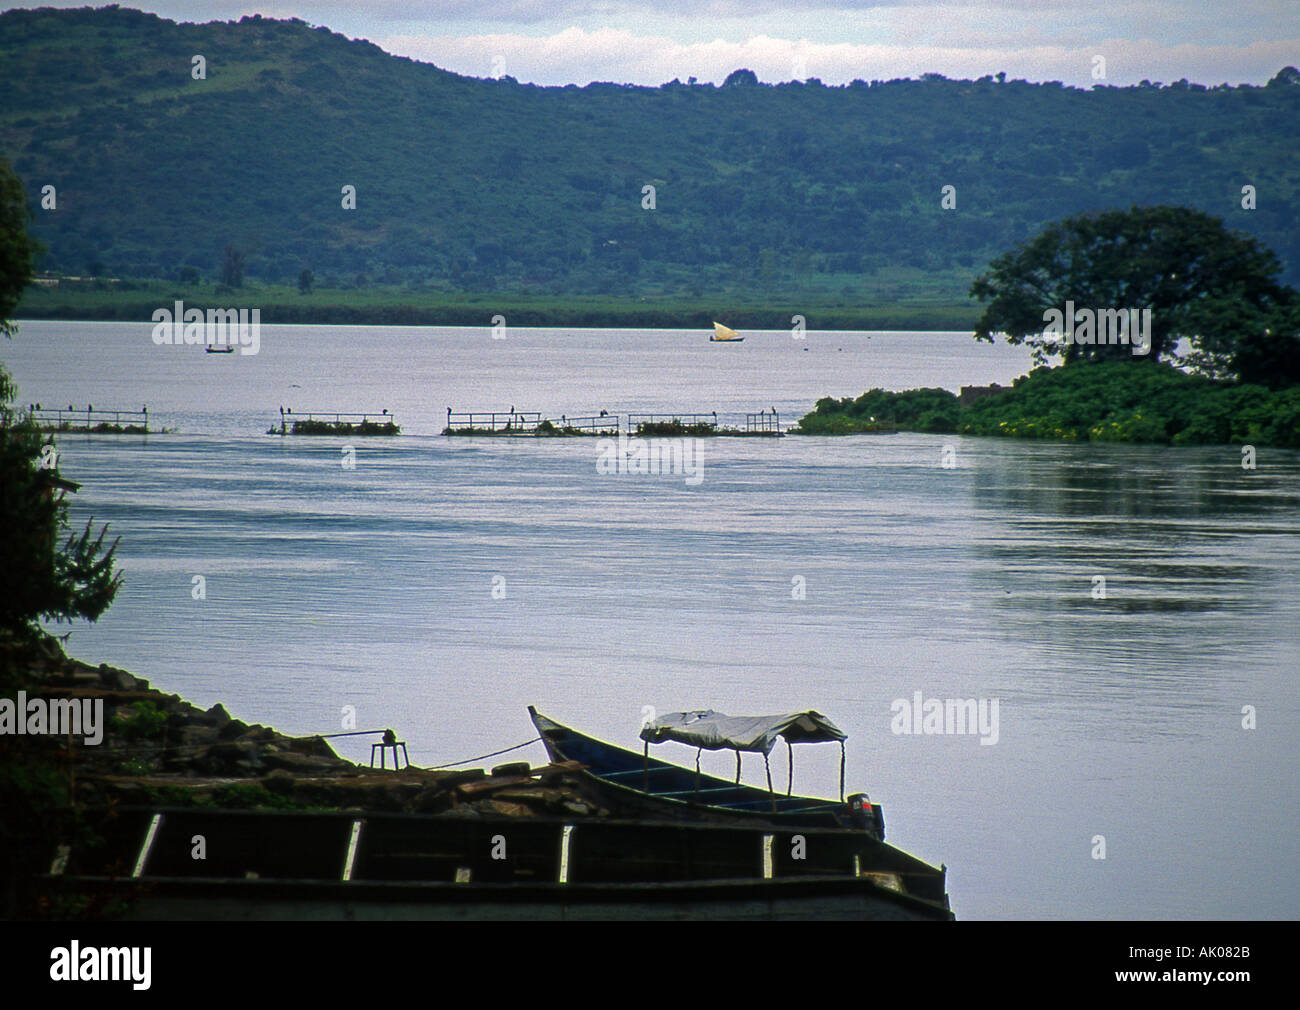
(157, 748)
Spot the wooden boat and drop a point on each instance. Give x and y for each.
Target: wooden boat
(724, 335)
(213, 349)
(352, 865)
(636, 785)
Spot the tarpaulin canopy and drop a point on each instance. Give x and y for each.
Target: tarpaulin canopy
(711, 730)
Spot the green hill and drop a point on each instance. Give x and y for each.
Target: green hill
(468, 185)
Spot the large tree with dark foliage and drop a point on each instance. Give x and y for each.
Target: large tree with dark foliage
(1216, 288)
(18, 250)
(42, 577)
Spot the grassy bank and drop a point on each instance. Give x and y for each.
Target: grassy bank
(403, 306)
(1086, 402)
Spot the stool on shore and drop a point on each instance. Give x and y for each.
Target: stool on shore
(390, 741)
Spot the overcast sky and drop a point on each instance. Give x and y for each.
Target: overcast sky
(578, 41)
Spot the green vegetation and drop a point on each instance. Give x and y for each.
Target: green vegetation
(1214, 289)
(141, 720)
(796, 194)
(544, 429)
(103, 428)
(896, 298)
(676, 429)
(880, 411)
(44, 579)
(18, 250)
(1116, 401)
(312, 427)
(1101, 401)
(1201, 283)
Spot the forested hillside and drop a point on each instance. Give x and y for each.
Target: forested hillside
(479, 185)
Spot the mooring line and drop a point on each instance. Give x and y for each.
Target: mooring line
(480, 757)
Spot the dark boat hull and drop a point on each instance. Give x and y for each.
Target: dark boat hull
(301, 865)
(724, 900)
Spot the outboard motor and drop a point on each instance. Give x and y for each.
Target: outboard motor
(867, 815)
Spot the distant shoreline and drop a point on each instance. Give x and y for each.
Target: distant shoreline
(341, 308)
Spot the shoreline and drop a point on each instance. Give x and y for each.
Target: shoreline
(576, 312)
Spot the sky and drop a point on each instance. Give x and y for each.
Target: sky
(836, 41)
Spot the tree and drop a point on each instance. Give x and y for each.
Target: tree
(741, 77)
(18, 250)
(42, 579)
(305, 280)
(232, 268)
(1214, 287)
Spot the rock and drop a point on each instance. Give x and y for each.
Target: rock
(513, 768)
(118, 680)
(232, 730)
(449, 779)
(582, 808)
(301, 764)
(313, 745)
(218, 715)
(431, 800)
(279, 781)
(554, 773)
(191, 736)
(497, 806)
(231, 757)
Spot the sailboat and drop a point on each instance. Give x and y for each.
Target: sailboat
(724, 334)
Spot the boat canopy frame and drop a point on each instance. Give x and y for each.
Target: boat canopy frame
(706, 729)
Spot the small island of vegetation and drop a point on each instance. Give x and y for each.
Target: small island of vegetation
(1202, 287)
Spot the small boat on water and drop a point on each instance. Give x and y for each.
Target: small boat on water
(724, 335)
(636, 785)
(214, 349)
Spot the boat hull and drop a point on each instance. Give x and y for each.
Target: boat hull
(632, 785)
(334, 865)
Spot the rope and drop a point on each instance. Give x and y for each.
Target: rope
(480, 757)
(331, 736)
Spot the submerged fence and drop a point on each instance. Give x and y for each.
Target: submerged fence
(89, 417)
(335, 422)
(764, 421)
(650, 424)
(520, 421)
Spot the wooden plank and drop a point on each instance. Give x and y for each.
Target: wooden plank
(149, 836)
(353, 839)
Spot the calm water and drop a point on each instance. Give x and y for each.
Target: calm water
(373, 587)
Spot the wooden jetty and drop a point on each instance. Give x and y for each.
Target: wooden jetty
(91, 421)
(334, 865)
(316, 422)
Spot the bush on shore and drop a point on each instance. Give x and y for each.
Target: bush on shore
(1103, 401)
